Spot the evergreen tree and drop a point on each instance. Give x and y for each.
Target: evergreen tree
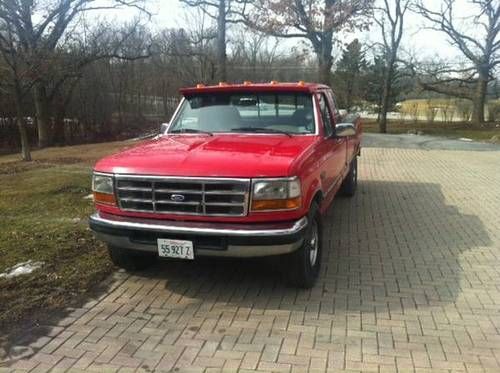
(348, 74)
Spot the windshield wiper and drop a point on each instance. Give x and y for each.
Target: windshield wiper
(260, 130)
(191, 130)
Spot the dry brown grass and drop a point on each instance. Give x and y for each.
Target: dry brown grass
(453, 130)
(87, 153)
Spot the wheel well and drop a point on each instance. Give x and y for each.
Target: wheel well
(318, 197)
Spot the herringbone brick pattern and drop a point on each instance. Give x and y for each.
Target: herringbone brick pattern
(410, 282)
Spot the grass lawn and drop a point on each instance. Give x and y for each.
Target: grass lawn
(450, 130)
(43, 217)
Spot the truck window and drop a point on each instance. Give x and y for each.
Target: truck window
(325, 115)
(333, 105)
(246, 112)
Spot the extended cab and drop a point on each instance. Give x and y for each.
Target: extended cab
(243, 170)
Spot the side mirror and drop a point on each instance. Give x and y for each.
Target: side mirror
(345, 130)
(163, 128)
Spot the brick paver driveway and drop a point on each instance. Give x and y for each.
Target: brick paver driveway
(411, 280)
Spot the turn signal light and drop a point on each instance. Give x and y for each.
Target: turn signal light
(276, 204)
(104, 198)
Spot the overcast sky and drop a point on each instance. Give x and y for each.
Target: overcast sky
(425, 43)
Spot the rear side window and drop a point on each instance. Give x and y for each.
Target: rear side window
(333, 102)
(325, 115)
(271, 105)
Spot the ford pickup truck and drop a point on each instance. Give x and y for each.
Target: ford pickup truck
(241, 170)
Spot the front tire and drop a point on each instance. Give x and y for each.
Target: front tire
(130, 260)
(350, 183)
(305, 263)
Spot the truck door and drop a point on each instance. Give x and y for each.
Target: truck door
(350, 144)
(333, 149)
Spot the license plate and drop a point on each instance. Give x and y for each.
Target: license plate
(175, 249)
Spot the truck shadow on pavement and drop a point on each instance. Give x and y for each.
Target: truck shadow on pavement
(396, 245)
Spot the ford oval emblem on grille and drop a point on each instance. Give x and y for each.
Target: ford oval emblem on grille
(177, 197)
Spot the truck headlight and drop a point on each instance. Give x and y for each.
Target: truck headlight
(276, 194)
(103, 188)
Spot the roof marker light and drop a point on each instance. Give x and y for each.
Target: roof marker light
(222, 84)
(200, 85)
(247, 82)
(274, 82)
(301, 83)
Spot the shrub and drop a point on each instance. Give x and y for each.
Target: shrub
(494, 111)
(431, 111)
(410, 109)
(464, 109)
(448, 111)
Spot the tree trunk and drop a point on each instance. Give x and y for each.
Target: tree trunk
(479, 99)
(349, 93)
(59, 137)
(42, 114)
(382, 123)
(221, 41)
(25, 145)
(325, 62)
(324, 72)
(386, 94)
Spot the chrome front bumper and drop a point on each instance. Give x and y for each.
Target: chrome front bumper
(233, 240)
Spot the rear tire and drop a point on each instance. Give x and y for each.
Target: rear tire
(130, 260)
(304, 264)
(350, 183)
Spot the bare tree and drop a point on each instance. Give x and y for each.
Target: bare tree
(199, 45)
(255, 53)
(223, 12)
(481, 50)
(391, 23)
(38, 27)
(17, 83)
(318, 21)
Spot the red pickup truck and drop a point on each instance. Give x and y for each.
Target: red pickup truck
(242, 170)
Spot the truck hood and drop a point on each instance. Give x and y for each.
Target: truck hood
(224, 155)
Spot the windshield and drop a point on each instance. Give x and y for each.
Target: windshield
(287, 113)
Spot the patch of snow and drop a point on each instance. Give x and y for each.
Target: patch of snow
(19, 269)
(68, 220)
(465, 139)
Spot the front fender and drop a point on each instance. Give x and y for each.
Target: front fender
(312, 189)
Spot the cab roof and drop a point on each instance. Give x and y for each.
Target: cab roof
(255, 87)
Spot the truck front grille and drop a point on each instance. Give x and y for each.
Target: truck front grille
(185, 196)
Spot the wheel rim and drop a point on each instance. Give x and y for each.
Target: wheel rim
(314, 244)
